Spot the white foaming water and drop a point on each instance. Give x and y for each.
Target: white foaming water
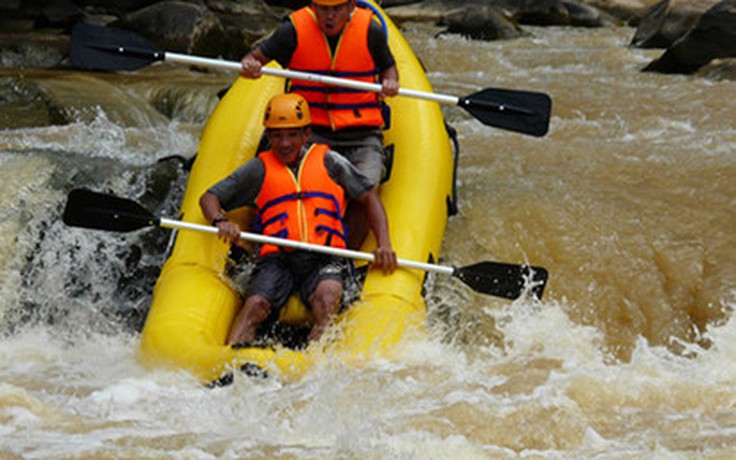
(434, 401)
(104, 139)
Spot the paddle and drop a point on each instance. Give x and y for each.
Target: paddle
(88, 209)
(105, 48)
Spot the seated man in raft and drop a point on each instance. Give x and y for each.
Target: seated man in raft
(299, 191)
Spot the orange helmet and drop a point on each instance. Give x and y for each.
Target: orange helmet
(329, 2)
(287, 111)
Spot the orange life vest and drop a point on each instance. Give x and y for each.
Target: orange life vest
(308, 207)
(333, 106)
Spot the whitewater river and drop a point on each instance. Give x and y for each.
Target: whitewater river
(628, 202)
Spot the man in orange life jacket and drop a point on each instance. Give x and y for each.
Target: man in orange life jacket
(334, 37)
(299, 190)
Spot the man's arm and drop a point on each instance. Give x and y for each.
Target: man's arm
(212, 211)
(384, 60)
(390, 82)
(253, 62)
(211, 207)
(358, 187)
(384, 255)
(279, 46)
(238, 189)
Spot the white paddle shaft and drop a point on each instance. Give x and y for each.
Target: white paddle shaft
(316, 78)
(258, 238)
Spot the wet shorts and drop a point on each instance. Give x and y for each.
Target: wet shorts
(364, 152)
(277, 276)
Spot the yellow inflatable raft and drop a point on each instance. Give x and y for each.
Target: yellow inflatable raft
(194, 303)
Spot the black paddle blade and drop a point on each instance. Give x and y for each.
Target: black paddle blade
(525, 112)
(504, 280)
(105, 48)
(88, 209)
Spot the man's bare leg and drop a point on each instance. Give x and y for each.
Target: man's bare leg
(253, 313)
(324, 300)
